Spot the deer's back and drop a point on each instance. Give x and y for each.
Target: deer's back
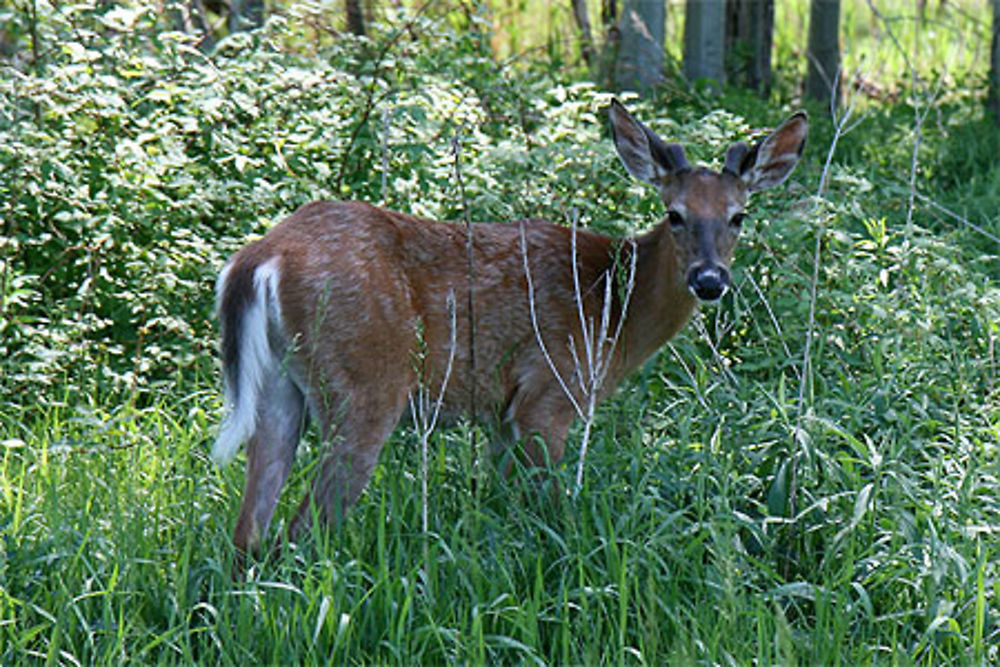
(370, 295)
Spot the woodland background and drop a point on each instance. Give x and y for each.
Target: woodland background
(808, 474)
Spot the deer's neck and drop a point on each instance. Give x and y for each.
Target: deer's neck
(661, 303)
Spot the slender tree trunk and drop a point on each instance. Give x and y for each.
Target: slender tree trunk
(823, 51)
(180, 17)
(995, 65)
(704, 40)
(586, 35)
(609, 48)
(199, 15)
(245, 15)
(355, 17)
(191, 18)
(749, 36)
(36, 59)
(609, 13)
(639, 64)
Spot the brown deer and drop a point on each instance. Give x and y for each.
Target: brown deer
(321, 319)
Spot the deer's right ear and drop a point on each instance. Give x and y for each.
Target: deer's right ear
(771, 161)
(647, 157)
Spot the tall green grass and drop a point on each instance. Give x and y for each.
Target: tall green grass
(678, 549)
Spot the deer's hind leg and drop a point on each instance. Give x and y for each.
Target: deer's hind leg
(280, 421)
(353, 438)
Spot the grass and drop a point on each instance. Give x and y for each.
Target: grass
(679, 549)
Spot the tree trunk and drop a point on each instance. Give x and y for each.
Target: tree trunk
(180, 17)
(704, 41)
(203, 26)
(749, 35)
(609, 14)
(823, 51)
(191, 18)
(608, 53)
(995, 65)
(586, 35)
(245, 15)
(355, 17)
(639, 65)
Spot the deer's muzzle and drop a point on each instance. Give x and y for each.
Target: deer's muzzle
(708, 283)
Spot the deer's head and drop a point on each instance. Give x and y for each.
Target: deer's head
(705, 209)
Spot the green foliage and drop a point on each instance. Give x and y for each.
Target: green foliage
(134, 164)
(723, 519)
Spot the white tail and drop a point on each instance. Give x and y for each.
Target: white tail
(322, 318)
(255, 359)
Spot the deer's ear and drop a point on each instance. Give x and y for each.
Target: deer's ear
(647, 157)
(770, 162)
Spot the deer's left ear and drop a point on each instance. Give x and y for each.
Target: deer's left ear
(645, 156)
(770, 162)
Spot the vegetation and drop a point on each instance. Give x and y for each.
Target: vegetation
(806, 475)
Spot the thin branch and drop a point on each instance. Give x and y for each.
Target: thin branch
(371, 101)
(958, 218)
(599, 347)
(535, 326)
(918, 116)
(456, 145)
(627, 298)
(386, 127)
(421, 406)
(917, 139)
(727, 373)
(588, 349)
(452, 345)
(603, 351)
(841, 127)
(689, 373)
(774, 319)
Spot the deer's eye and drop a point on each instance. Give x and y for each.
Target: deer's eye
(736, 222)
(675, 219)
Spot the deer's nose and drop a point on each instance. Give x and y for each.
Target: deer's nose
(708, 283)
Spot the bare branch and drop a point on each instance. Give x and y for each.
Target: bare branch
(716, 355)
(456, 145)
(534, 323)
(774, 319)
(424, 417)
(841, 125)
(958, 218)
(598, 346)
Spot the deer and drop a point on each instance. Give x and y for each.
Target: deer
(320, 318)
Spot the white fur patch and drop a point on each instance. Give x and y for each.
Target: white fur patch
(257, 360)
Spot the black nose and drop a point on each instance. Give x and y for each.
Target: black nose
(708, 283)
